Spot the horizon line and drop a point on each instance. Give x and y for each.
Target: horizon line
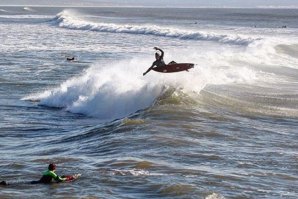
(138, 6)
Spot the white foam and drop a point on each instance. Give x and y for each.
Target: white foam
(133, 172)
(28, 9)
(215, 196)
(26, 16)
(106, 92)
(119, 89)
(2, 10)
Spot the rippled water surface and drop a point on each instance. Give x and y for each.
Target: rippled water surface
(225, 129)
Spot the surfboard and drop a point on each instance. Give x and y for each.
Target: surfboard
(172, 68)
(70, 178)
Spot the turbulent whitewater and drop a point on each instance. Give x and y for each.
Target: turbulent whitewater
(225, 129)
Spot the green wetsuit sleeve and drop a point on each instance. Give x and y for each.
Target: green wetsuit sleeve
(55, 176)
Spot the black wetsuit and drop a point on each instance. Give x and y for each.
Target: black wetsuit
(159, 62)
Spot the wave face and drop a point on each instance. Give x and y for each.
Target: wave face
(104, 92)
(70, 19)
(118, 90)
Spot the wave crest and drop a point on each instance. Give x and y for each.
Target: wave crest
(29, 9)
(69, 19)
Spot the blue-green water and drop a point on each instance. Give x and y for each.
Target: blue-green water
(225, 129)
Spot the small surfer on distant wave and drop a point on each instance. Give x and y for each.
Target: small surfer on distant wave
(70, 58)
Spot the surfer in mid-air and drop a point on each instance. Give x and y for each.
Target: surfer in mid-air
(159, 62)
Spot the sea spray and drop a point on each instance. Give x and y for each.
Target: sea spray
(119, 89)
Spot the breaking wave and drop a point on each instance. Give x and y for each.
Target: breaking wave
(70, 19)
(118, 90)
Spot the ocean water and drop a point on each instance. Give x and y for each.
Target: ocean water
(225, 129)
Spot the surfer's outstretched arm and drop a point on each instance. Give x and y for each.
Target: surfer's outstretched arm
(149, 69)
(158, 61)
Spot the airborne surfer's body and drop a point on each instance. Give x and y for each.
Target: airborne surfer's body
(158, 60)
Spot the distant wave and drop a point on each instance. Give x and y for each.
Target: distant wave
(29, 9)
(2, 10)
(67, 19)
(278, 7)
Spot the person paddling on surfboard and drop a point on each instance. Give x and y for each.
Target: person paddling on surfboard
(50, 176)
(158, 60)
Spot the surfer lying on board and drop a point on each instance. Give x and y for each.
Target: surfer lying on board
(50, 176)
(47, 177)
